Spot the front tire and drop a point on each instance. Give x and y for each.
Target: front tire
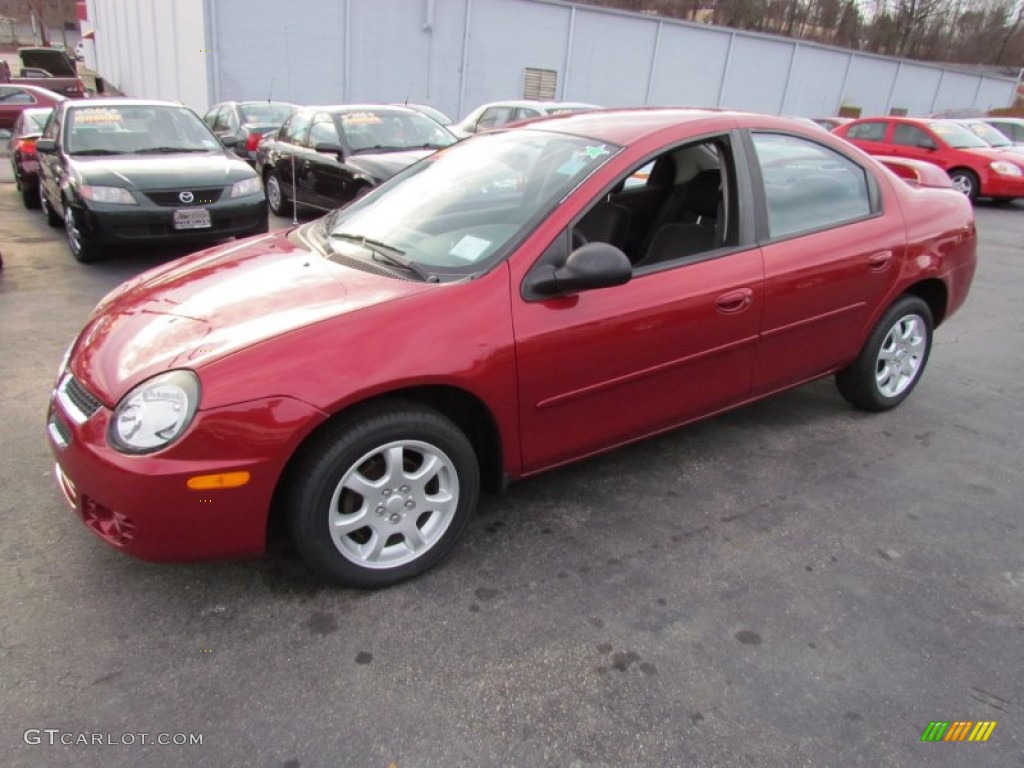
(967, 182)
(892, 359)
(83, 251)
(383, 495)
(52, 217)
(277, 202)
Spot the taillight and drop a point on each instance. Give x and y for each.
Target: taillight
(253, 142)
(25, 146)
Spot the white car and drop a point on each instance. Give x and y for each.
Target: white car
(500, 113)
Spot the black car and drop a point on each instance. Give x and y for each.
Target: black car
(241, 125)
(125, 171)
(324, 157)
(24, 160)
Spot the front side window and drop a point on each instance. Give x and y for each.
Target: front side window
(466, 205)
(808, 186)
(911, 136)
(323, 131)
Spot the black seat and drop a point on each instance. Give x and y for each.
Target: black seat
(674, 241)
(606, 222)
(696, 202)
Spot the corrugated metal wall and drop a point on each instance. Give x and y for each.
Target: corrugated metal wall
(456, 54)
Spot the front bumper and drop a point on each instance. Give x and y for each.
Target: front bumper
(109, 224)
(142, 505)
(998, 185)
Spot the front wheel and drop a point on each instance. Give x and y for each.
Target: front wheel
(80, 249)
(277, 202)
(965, 181)
(382, 496)
(893, 358)
(52, 217)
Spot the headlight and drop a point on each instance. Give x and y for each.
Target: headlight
(1005, 168)
(155, 413)
(248, 187)
(118, 195)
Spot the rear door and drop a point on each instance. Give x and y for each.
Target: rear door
(832, 247)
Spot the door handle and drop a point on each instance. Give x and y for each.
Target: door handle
(879, 261)
(735, 301)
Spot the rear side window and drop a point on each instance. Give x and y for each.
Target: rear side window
(808, 186)
(867, 131)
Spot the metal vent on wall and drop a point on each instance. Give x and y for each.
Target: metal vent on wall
(540, 84)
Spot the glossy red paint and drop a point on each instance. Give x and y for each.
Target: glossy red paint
(895, 139)
(283, 341)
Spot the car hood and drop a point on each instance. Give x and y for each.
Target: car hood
(384, 165)
(992, 153)
(211, 304)
(191, 169)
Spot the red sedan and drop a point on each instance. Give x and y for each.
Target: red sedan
(515, 302)
(975, 168)
(15, 99)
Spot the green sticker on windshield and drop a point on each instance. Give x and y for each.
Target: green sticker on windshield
(595, 152)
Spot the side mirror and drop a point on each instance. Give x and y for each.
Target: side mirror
(46, 146)
(331, 149)
(927, 144)
(230, 142)
(591, 266)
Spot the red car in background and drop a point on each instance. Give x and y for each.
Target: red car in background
(502, 307)
(974, 167)
(24, 160)
(14, 99)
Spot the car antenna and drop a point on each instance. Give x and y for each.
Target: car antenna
(270, 90)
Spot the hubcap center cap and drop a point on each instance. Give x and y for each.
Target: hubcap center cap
(394, 507)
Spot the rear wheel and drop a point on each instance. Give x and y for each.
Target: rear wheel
(29, 196)
(382, 496)
(893, 358)
(279, 204)
(965, 181)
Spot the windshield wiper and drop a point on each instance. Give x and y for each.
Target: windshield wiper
(167, 150)
(387, 254)
(97, 152)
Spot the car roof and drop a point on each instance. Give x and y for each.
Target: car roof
(38, 90)
(623, 126)
(1001, 119)
(340, 109)
(119, 101)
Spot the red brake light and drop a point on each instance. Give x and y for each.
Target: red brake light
(25, 146)
(253, 142)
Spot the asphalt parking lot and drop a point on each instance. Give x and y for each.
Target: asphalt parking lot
(792, 584)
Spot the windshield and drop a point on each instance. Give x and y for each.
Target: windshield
(990, 135)
(275, 112)
(463, 206)
(391, 131)
(956, 136)
(136, 129)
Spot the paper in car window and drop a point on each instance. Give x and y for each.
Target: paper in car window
(360, 118)
(469, 248)
(83, 116)
(581, 159)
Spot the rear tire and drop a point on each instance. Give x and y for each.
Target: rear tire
(383, 495)
(892, 359)
(29, 196)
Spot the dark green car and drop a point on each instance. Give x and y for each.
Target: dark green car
(127, 172)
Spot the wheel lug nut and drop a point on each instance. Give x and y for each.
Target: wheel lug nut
(410, 504)
(386, 492)
(380, 511)
(395, 517)
(404, 489)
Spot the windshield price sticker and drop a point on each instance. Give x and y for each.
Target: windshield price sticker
(360, 118)
(97, 115)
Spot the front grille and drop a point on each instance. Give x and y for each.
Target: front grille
(80, 397)
(60, 430)
(199, 197)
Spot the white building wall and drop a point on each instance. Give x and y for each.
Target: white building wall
(156, 49)
(457, 54)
